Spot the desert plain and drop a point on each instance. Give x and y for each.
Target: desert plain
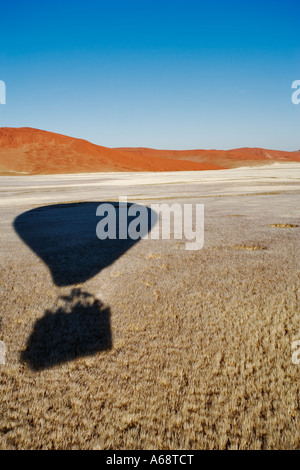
(146, 345)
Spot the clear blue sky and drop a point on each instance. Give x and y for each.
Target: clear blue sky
(154, 73)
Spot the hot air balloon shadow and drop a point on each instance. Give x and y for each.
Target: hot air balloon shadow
(64, 237)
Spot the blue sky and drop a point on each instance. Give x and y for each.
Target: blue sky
(162, 74)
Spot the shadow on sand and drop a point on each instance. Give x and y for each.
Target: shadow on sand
(64, 237)
(80, 326)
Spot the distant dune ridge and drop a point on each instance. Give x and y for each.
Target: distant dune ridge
(35, 152)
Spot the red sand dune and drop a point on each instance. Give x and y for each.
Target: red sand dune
(32, 151)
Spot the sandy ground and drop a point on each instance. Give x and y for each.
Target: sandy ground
(146, 345)
(20, 190)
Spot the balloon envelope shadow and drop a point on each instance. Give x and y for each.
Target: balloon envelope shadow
(64, 237)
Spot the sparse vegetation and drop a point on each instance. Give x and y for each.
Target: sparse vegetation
(283, 225)
(250, 247)
(200, 354)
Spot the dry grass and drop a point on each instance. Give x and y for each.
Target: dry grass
(250, 247)
(283, 225)
(201, 351)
